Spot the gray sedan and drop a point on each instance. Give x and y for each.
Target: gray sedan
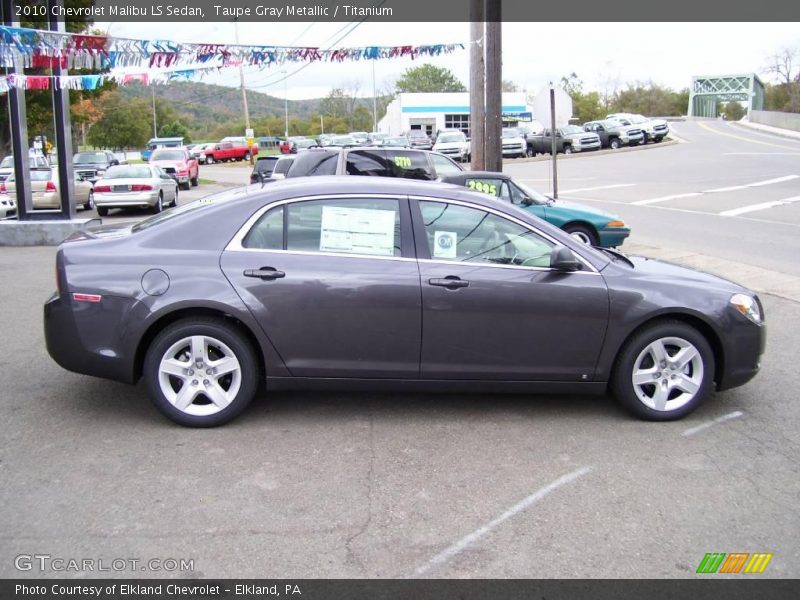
(135, 186)
(382, 283)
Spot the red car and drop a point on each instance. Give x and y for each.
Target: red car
(178, 164)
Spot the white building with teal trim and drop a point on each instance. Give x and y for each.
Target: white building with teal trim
(432, 112)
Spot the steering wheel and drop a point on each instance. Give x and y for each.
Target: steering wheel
(493, 244)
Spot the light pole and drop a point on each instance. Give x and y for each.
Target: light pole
(285, 107)
(374, 101)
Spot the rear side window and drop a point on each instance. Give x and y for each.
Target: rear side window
(342, 226)
(409, 165)
(311, 163)
(267, 233)
(367, 162)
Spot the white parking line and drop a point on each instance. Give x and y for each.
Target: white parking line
(665, 198)
(755, 184)
(734, 415)
(599, 187)
(473, 537)
(761, 154)
(762, 206)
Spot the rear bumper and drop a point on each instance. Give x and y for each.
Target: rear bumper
(123, 199)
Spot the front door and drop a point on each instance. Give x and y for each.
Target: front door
(334, 287)
(493, 309)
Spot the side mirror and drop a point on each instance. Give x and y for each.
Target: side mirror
(526, 202)
(562, 259)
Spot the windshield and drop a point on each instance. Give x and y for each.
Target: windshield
(447, 138)
(417, 133)
(510, 133)
(571, 129)
(90, 157)
(537, 197)
(128, 172)
(7, 163)
(638, 119)
(343, 140)
(167, 155)
(397, 140)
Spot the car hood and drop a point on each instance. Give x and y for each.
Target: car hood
(450, 144)
(515, 140)
(666, 271)
(168, 163)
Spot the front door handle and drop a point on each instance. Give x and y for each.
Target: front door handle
(451, 282)
(265, 273)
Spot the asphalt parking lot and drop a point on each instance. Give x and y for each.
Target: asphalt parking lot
(403, 485)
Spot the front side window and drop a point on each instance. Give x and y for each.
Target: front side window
(444, 166)
(462, 234)
(365, 227)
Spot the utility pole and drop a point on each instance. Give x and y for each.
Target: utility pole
(241, 79)
(285, 106)
(477, 89)
(553, 143)
(494, 90)
(155, 125)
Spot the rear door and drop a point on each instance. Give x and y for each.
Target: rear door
(334, 284)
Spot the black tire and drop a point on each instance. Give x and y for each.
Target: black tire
(247, 156)
(228, 335)
(623, 389)
(195, 181)
(567, 149)
(90, 202)
(102, 211)
(209, 160)
(186, 186)
(159, 205)
(584, 233)
(175, 200)
(530, 152)
(644, 139)
(614, 143)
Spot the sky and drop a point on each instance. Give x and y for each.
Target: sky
(604, 55)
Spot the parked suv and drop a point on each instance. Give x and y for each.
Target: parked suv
(452, 143)
(614, 134)
(371, 161)
(419, 139)
(654, 129)
(514, 142)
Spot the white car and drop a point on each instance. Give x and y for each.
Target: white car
(514, 143)
(135, 186)
(654, 130)
(453, 144)
(36, 161)
(282, 166)
(8, 206)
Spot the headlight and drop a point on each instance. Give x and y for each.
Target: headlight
(748, 306)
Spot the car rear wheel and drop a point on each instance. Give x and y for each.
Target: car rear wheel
(159, 205)
(201, 372)
(102, 211)
(89, 202)
(582, 233)
(664, 372)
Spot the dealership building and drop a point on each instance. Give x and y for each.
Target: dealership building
(432, 112)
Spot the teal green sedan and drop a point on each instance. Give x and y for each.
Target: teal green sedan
(589, 225)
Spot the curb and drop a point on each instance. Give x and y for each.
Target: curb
(547, 157)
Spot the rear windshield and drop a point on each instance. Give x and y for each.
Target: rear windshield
(127, 171)
(266, 165)
(90, 157)
(36, 175)
(167, 155)
(571, 129)
(406, 164)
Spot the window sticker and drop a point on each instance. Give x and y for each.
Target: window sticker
(444, 244)
(357, 230)
(487, 187)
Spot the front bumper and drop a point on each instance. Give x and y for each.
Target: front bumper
(613, 236)
(584, 146)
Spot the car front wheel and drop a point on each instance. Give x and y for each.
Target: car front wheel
(582, 233)
(209, 160)
(201, 372)
(89, 202)
(664, 372)
(567, 149)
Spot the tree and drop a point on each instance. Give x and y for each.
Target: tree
(429, 78)
(733, 111)
(124, 123)
(175, 129)
(509, 86)
(650, 99)
(585, 105)
(785, 95)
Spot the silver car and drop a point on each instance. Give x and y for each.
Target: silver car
(135, 186)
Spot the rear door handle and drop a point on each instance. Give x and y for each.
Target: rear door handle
(451, 282)
(266, 273)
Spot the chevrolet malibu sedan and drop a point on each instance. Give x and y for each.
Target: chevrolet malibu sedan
(387, 284)
(135, 186)
(585, 224)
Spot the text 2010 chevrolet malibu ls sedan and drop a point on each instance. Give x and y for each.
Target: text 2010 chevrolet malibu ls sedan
(378, 283)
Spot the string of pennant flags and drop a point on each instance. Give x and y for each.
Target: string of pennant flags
(35, 48)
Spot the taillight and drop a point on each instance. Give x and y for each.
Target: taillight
(102, 188)
(50, 187)
(3, 188)
(183, 172)
(141, 187)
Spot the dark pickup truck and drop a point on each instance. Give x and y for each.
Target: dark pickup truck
(92, 165)
(569, 139)
(613, 134)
